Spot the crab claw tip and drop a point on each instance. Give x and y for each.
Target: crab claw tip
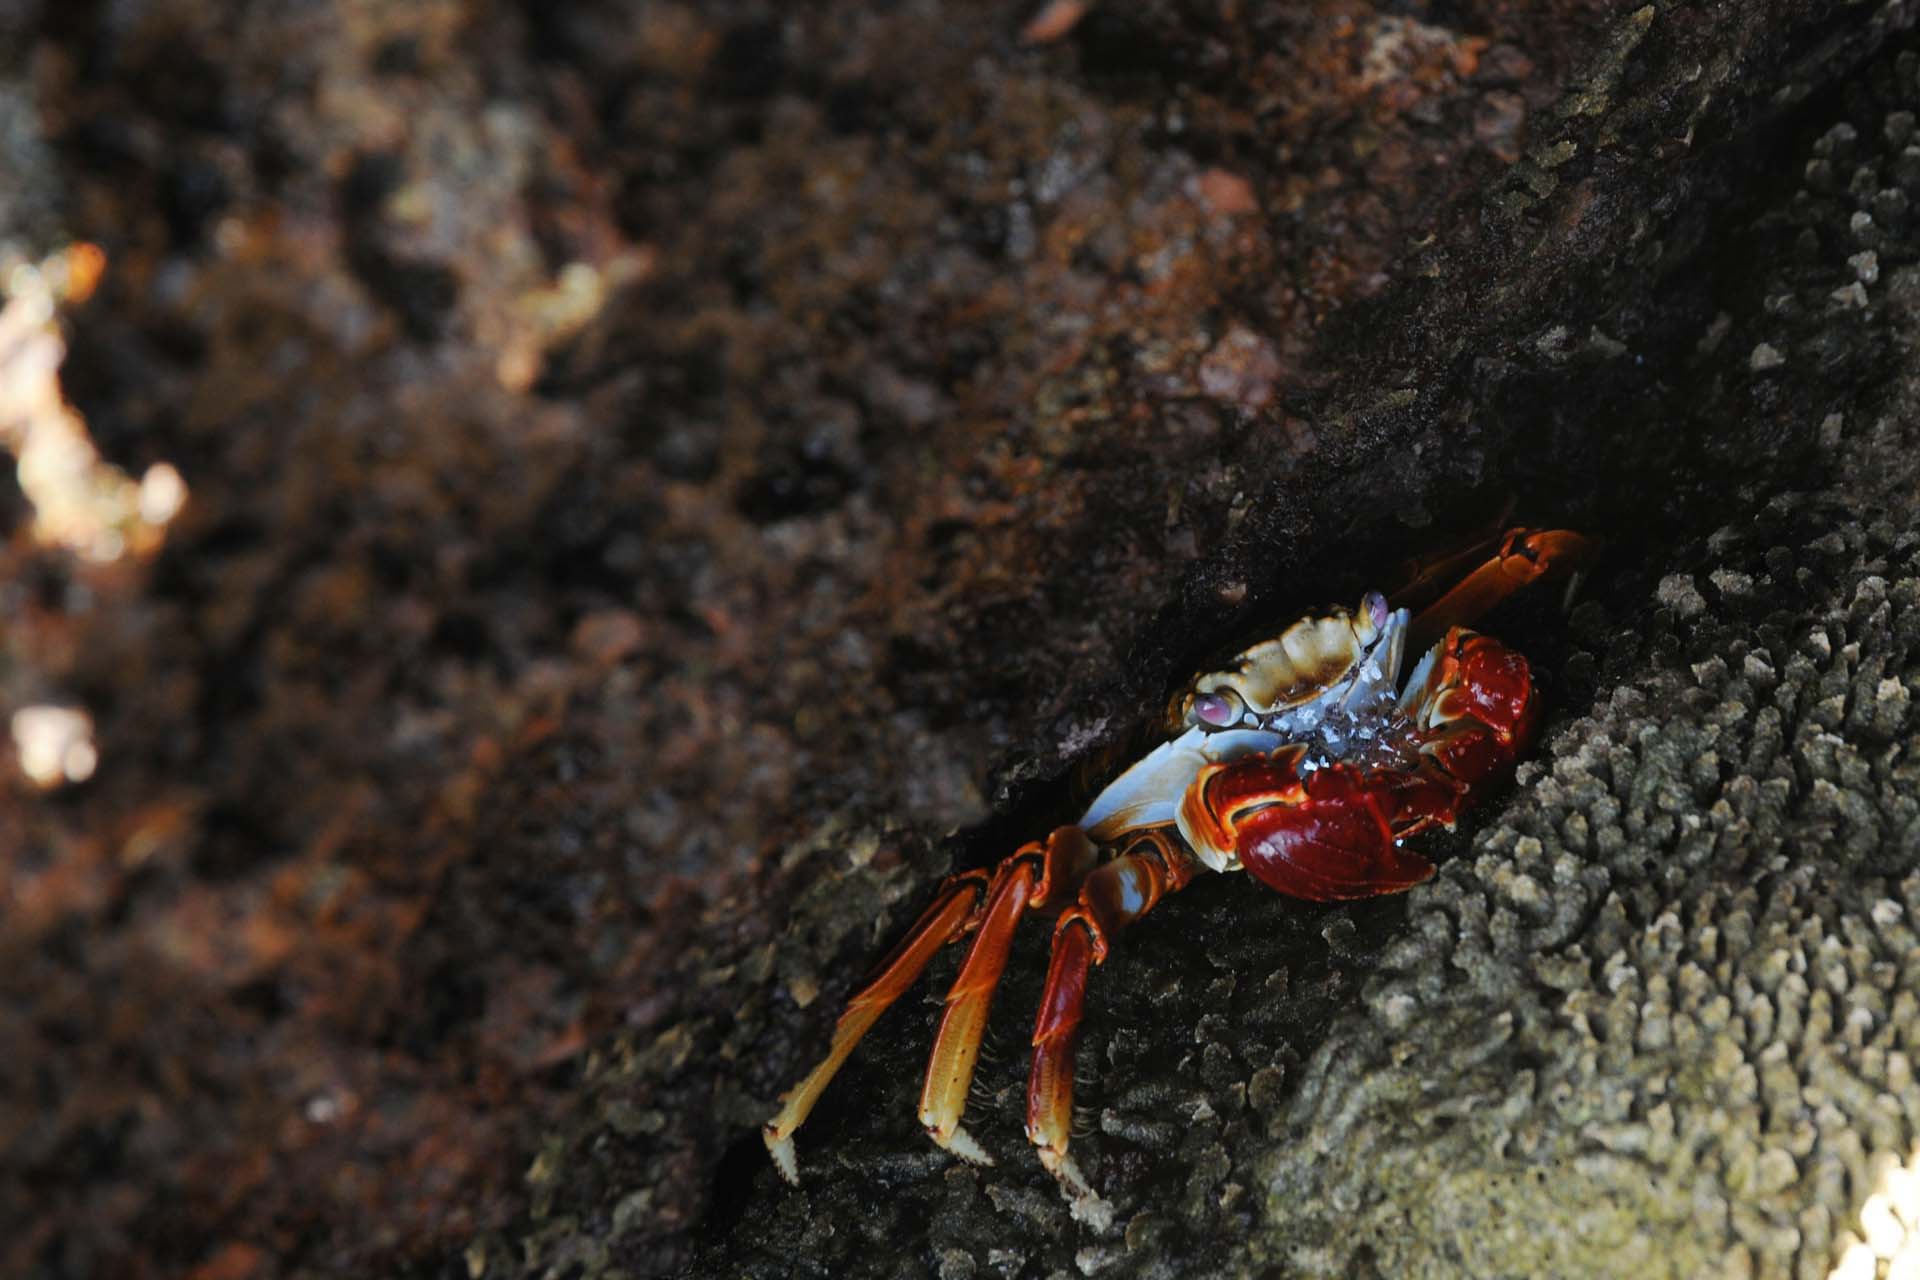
(962, 1144)
(781, 1149)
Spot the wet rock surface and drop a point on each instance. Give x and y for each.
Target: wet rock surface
(658, 472)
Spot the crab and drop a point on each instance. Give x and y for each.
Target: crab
(1305, 761)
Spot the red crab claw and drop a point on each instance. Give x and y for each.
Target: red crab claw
(1475, 709)
(1324, 835)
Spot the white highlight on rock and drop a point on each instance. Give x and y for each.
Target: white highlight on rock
(1890, 1223)
(54, 745)
(80, 501)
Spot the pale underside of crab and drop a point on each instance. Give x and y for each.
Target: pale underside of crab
(1306, 761)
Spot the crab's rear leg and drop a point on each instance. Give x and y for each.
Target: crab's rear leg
(1525, 556)
(1035, 876)
(1114, 895)
(966, 902)
(943, 921)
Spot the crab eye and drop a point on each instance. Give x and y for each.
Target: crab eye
(1217, 710)
(1376, 607)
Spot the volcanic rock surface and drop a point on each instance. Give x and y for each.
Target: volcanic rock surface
(666, 483)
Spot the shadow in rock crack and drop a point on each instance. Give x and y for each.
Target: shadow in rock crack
(731, 1193)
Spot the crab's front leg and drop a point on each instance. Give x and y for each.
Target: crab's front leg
(1471, 710)
(1326, 834)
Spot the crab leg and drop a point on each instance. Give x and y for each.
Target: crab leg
(938, 925)
(1042, 873)
(957, 1048)
(1525, 556)
(1030, 878)
(1113, 896)
(1427, 577)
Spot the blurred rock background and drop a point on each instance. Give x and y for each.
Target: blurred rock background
(542, 531)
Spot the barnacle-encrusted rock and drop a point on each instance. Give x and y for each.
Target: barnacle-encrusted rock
(1662, 1021)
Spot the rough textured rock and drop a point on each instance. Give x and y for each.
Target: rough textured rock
(1662, 1020)
(658, 471)
(1657, 1019)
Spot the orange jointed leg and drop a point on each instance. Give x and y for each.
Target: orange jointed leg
(957, 1048)
(1113, 897)
(1030, 878)
(1426, 578)
(1056, 1034)
(1052, 872)
(1525, 556)
(939, 924)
